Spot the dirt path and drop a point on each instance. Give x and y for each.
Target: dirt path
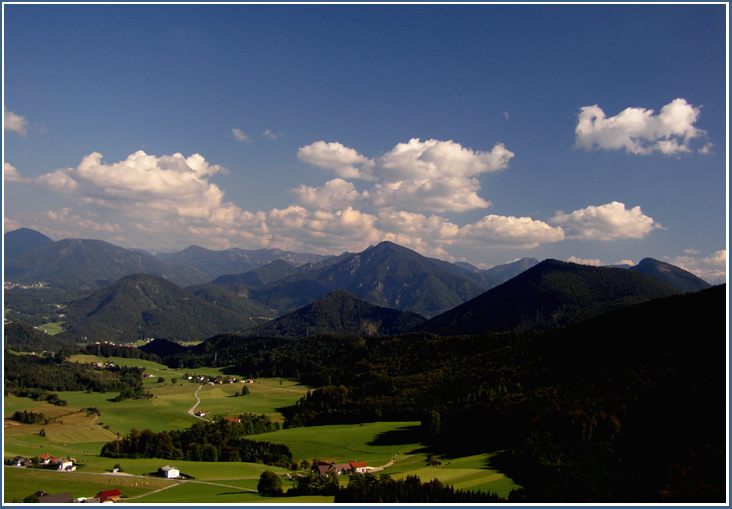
(192, 410)
(152, 492)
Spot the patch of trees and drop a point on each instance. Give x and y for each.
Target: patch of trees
(54, 374)
(24, 338)
(384, 489)
(108, 350)
(205, 441)
(29, 417)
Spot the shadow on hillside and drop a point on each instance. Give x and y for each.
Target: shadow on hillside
(398, 436)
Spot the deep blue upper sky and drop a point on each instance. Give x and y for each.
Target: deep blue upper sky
(178, 79)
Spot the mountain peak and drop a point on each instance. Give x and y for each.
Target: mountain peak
(677, 277)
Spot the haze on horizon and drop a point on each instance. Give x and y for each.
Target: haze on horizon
(478, 133)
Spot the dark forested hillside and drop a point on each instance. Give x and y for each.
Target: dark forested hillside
(24, 338)
(550, 294)
(626, 407)
(141, 305)
(341, 314)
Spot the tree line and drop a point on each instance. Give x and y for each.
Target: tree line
(221, 440)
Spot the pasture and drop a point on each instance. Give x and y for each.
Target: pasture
(75, 433)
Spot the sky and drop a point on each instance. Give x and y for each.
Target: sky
(480, 133)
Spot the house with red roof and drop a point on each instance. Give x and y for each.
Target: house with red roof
(360, 467)
(109, 496)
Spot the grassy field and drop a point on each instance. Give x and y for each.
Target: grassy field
(345, 442)
(394, 445)
(51, 328)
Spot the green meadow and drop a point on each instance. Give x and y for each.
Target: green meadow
(392, 445)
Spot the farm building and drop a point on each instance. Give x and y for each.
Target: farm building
(170, 472)
(360, 467)
(109, 496)
(20, 461)
(44, 459)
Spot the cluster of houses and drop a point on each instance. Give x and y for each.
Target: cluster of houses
(216, 380)
(9, 285)
(47, 461)
(358, 467)
(103, 497)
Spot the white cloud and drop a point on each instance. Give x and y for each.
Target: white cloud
(625, 261)
(11, 174)
(270, 134)
(711, 268)
(595, 262)
(343, 161)
(336, 193)
(509, 230)
(610, 221)
(320, 231)
(427, 235)
(77, 224)
(640, 131)
(240, 135)
(436, 176)
(430, 175)
(151, 188)
(14, 123)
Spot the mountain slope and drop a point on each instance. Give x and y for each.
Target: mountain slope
(83, 264)
(502, 273)
(677, 277)
(234, 260)
(142, 305)
(393, 276)
(341, 314)
(551, 294)
(21, 240)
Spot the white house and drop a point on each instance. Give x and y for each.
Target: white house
(170, 472)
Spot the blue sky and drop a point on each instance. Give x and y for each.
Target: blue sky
(478, 133)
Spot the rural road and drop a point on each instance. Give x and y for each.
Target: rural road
(192, 410)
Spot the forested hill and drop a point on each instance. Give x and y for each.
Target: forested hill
(549, 295)
(626, 407)
(341, 314)
(141, 305)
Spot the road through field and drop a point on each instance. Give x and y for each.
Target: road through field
(192, 410)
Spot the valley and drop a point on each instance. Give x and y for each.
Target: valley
(548, 381)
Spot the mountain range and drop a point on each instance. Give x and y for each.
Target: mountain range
(127, 294)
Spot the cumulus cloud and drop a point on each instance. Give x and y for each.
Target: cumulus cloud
(150, 187)
(73, 222)
(11, 174)
(436, 176)
(711, 268)
(428, 235)
(429, 175)
(240, 135)
(343, 161)
(336, 193)
(610, 221)
(14, 123)
(321, 231)
(595, 262)
(640, 131)
(509, 230)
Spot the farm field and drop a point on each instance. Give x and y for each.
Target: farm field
(51, 328)
(393, 445)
